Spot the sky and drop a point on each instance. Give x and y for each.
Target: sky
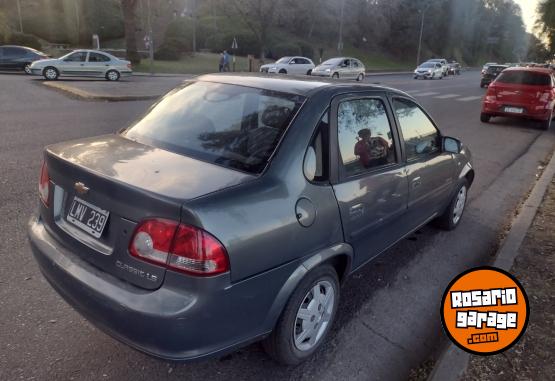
(528, 12)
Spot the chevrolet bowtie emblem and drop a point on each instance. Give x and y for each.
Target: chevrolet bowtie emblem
(81, 188)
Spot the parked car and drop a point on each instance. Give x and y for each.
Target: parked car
(523, 93)
(443, 63)
(165, 234)
(490, 74)
(83, 63)
(454, 68)
(340, 67)
(14, 57)
(485, 67)
(429, 70)
(290, 65)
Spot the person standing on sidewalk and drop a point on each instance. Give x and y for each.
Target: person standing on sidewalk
(222, 60)
(226, 60)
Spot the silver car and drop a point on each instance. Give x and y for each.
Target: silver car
(83, 63)
(341, 67)
(289, 65)
(429, 70)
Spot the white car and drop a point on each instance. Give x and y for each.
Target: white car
(444, 65)
(83, 63)
(290, 65)
(341, 67)
(429, 70)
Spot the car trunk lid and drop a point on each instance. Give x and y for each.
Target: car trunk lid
(129, 182)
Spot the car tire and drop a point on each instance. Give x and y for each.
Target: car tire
(286, 344)
(309, 72)
(545, 124)
(112, 75)
(335, 75)
(50, 73)
(485, 118)
(433, 76)
(415, 77)
(452, 216)
(27, 69)
(360, 77)
(283, 71)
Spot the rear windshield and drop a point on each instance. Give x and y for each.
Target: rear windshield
(524, 78)
(233, 126)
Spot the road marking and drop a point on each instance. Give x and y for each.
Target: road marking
(468, 99)
(425, 94)
(447, 96)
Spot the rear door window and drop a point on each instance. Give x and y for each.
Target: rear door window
(233, 126)
(97, 57)
(14, 52)
(524, 78)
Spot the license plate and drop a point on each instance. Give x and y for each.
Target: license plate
(87, 217)
(514, 110)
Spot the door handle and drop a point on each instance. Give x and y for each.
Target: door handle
(416, 182)
(356, 211)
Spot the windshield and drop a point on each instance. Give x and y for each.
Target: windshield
(333, 61)
(428, 65)
(524, 78)
(283, 60)
(232, 126)
(495, 69)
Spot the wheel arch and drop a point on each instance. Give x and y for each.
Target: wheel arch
(340, 256)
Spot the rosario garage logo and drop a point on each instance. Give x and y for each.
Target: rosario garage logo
(484, 310)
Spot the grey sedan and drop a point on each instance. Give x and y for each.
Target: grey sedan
(233, 210)
(341, 67)
(83, 63)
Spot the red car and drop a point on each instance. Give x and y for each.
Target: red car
(527, 93)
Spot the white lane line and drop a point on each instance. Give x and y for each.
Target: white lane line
(447, 96)
(425, 94)
(468, 99)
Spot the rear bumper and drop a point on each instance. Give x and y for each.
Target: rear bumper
(187, 318)
(497, 108)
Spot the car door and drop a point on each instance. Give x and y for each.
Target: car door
(370, 182)
(97, 64)
(74, 64)
(345, 69)
(294, 66)
(431, 173)
(2, 58)
(13, 58)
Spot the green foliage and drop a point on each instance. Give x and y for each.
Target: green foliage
(4, 28)
(246, 42)
(284, 49)
(178, 40)
(24, 39)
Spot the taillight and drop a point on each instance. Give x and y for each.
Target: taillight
(179, 247)
(546, 97)
(44, 184)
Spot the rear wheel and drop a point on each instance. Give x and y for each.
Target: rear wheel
(484, 118)
(450, 219)
(50, 73)
(306, 319)
(546, 123)
(27, 68)
(309, 72)
(112, 75)
(360, 77)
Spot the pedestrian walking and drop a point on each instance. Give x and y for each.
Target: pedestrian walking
(226, 60)
(221, 64)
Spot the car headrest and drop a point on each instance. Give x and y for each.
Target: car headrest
(276, 116)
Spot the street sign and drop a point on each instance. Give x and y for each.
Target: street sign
(234, 43)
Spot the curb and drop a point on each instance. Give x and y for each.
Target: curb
(453, 361)
(82, 94)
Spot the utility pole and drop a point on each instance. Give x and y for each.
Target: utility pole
(150, 39)
(423, 11)
(19, 14)
(76, 4)
(194, 14)
(340, 42)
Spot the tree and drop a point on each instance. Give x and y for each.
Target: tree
(546, 22)
(128, 8)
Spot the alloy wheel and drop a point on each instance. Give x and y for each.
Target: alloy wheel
(459, 205)
(314, 315)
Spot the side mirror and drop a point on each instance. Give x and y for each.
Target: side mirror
(451, 145)
(309, 165)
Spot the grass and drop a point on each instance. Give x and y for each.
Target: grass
(200, 63)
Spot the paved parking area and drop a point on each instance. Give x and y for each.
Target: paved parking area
(388, 320)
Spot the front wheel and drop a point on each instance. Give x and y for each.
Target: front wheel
(451, 218)
(112, 75)
(306, 319)
(283, 71)
(50, 73)
(335, 76)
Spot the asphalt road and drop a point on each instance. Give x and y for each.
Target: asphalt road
(388, 320)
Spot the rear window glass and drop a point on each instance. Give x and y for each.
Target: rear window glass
(233, 126)
(525, 78)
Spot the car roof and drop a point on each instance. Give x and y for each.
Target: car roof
(16, 46)
(540, 70)
(299, 85)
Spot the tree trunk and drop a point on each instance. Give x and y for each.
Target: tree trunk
(128, 8)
